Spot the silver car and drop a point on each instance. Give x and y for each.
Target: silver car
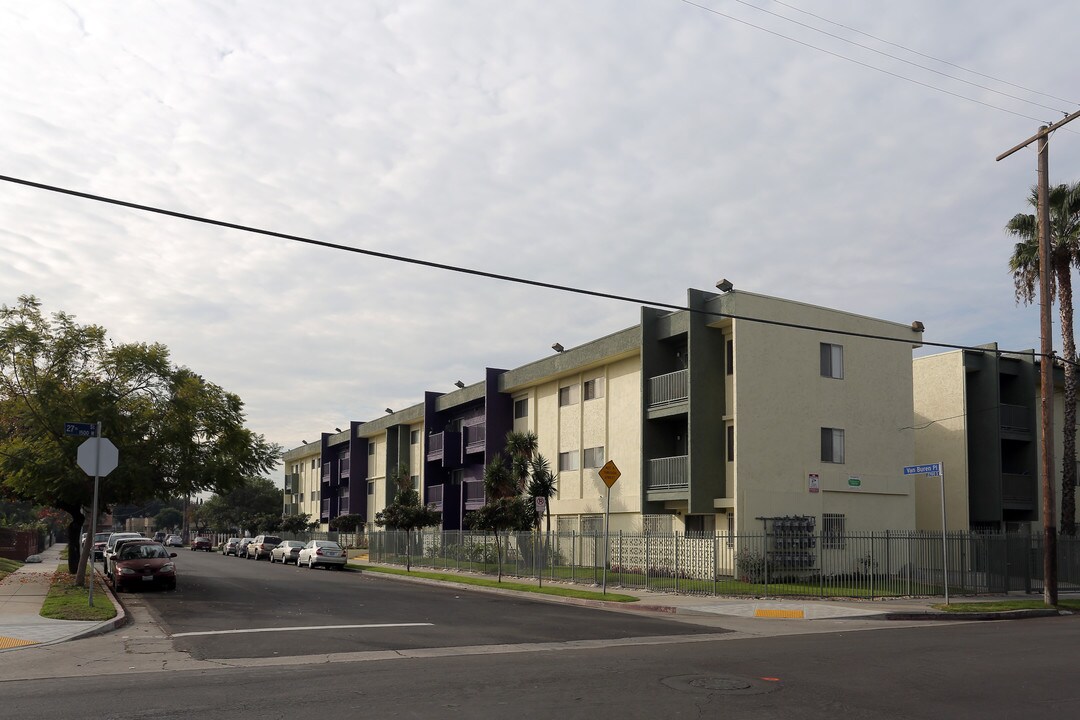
(286, 552)
(322, 552)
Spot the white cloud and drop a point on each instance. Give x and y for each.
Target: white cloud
(635, 149)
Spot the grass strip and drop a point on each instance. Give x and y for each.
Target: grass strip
(8, 566)
(488, 582)
(68, 601)
(1005, 606)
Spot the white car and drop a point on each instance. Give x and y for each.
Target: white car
(322, 552)
(287, 552)
(110, 547)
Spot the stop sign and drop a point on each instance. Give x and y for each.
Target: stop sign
(98, 456)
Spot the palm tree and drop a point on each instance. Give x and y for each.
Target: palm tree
(1064, 205)
(542, 483)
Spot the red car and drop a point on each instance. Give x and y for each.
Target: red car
(144, 565)
(201, 543)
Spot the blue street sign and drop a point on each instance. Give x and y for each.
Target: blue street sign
(81, 429)
(933, 469)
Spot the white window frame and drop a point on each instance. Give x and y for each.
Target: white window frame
(833, 445)
(568, 395)
(593, 388)
(832, 361)
(593, 457)
(568, 461)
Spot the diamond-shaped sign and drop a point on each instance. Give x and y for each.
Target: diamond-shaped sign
(610, 473)
(98, 456)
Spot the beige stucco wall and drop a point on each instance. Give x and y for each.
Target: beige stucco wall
(941, 436)
(781, 402)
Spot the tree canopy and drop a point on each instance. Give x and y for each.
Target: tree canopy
(177, 433)
(254, 506)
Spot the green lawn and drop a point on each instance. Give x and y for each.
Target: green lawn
(8, 566)
(1005, 606)
(559, 591)
(68, 601)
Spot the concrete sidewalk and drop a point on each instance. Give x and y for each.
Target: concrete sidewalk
(764, 608)
(22, 594)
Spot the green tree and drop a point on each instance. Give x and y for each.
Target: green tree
(1064, 206)
(351, 523)
(406, 512)
(298, 523)
(168, 519)
(254, 506)
(177, 433)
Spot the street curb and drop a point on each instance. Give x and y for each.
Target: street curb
(950, 617)
(106, 626)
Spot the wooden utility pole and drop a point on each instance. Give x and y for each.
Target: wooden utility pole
(1046, 365)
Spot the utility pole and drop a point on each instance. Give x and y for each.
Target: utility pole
(1046, 365)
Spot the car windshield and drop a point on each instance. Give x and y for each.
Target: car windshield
(271, 539)
(327, 544)
(142, 551)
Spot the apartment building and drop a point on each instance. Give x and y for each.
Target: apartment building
(976, 411)
(741, 409)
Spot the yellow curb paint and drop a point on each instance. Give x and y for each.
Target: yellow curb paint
(776, 613)
(8, 642)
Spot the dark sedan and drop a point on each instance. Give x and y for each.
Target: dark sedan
(144, 565)
(202, 543)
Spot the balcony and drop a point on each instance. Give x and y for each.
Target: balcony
(1018, 492)
(475, 436)
(445, 447)
(669, 473)
(434, 496)
(325, 511)
(343, 467)
(292, 481)
(474, 494)
(669, 389)
(1015, 418)
(326, 472)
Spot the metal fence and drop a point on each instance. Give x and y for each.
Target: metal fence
(869, 565)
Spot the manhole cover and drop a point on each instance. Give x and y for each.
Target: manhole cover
(728, 684)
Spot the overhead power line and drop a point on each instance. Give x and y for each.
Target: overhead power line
(479, 273)
(861, 63)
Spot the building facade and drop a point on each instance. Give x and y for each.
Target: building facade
(722, 417)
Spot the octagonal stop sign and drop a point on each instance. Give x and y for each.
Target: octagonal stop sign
(98, 456)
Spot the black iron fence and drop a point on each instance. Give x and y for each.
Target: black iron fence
(885, 564)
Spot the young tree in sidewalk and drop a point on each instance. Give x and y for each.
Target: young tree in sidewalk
(406, 512)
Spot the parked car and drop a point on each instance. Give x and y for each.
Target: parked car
(174, 541)
(286, 552)
(241, 549)
(110, 561)
(145, 564)
(322, 552)
(230, 546)
(261, 546)
(159, 537)
(99, 544)
(110, 544)
(202, 543)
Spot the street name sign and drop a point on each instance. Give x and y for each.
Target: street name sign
(80, 429)
(933, 469)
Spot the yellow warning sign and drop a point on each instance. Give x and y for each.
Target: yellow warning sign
(609, 473)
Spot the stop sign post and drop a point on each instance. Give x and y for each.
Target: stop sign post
(97, 456)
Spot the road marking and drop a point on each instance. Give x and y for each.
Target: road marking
(304, 627)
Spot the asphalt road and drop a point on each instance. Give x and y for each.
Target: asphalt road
(226, 607)
(984, 671)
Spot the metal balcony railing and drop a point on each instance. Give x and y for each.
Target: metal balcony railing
(669, 473)
(670, 388)
(435, 446)
(474, 494)
(343, 467)
(326, 471)
(1015, 418)
(435, 495)
(475, 436)
(1018, 489)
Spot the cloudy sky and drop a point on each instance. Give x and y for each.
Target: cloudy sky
(636, 148)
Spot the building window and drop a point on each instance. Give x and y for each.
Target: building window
(568, 395)
(314, 463)
(371, 449)
(594, 457)
(592, 524)
(656, 524)
(832, 531)
(414, 437)
(730, 442)
(371, 488)
(521, 408)
(832, 445)
(593, 389)
(566, 523)
(729, 357)
(415, 480)
(568, 460)
(832, 361)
